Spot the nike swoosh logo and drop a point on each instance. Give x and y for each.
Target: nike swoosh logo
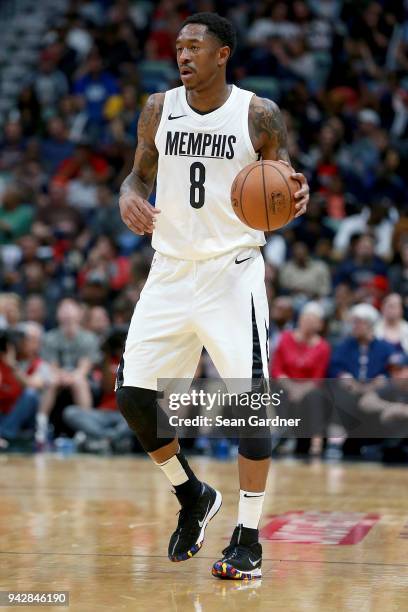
(201, 523)
(170, 117)
(253, 563)
(238, 261)
(245, 495)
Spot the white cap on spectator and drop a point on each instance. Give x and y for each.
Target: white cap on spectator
(367, 115)
(313, 308)
(366, 312)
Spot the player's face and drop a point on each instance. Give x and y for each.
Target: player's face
(199, 56)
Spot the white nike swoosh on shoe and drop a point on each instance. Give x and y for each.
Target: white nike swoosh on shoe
(201, 523)
(253, 563)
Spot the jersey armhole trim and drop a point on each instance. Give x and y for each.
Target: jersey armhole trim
(162, 120)
(245, 127)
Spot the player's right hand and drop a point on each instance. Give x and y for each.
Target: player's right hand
(137, 213)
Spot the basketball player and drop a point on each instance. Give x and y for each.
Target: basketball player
(206, 286)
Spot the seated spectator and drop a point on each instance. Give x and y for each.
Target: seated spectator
(274, 24)
(313, 228)
(359, 159)
(106, 219)
(102, 428)
(50, 83)
(387, 407)
(360, 363)
(105, 263)
(35, 309)
(361, 357)
(303, 276)
(301, 62)
(398, 274)
(10, 389)
(343, 300)
(23, 378)
(10, 309)
(57, 146)
(122, 310)
(83, 156)
(303, 354)
(16, 216)
(56, 214)
(96, 86)
(392, 327)
(362, 266)
(97, 321)
(281, 319)
(82, 190)
(12, 146)
(389, 184)
(71, 351)
(380, 218)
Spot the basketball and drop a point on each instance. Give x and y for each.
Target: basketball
(262, 195)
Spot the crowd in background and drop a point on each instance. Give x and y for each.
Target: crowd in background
(71, 272)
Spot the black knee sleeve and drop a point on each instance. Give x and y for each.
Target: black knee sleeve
(255, 448)
(255, 441)
(145, 417)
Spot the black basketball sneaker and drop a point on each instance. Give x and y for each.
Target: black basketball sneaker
(188, 538)
(242, 559)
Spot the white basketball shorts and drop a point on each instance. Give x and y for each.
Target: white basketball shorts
(218, 303)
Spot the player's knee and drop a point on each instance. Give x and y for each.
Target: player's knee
(255, 448)
(137, 406)
(144, 417)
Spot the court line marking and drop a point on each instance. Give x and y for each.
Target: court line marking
(370, 563)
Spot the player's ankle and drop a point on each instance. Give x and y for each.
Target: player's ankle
(188, 493)
(247, 535)
(186, 485)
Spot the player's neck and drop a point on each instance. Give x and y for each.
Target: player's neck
(209, 99)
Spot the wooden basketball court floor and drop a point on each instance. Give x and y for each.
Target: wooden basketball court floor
(98, 527)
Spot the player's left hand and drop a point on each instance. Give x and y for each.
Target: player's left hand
(301, 196)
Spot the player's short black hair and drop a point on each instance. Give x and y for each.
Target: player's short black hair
(218, 26)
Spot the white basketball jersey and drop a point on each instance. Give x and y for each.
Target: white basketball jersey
(199, 158)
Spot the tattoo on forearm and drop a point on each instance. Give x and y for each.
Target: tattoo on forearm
(266, 125)
(134, 183)
(142, 177)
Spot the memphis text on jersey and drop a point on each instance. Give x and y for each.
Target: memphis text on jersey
(193, 144)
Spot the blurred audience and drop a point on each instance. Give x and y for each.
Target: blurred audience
(337, 70)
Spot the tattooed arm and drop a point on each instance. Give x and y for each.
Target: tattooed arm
(268, 134)
(135, 210)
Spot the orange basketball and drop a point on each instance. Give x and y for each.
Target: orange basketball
(262, 195)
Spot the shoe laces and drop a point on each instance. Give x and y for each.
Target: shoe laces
(233, 551)
(188, 518)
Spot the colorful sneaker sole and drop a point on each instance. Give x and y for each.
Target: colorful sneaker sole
(226, 571)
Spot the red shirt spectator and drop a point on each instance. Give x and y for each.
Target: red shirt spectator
(10, 388)
(297, 359)
(302, 353)
(71, 167)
